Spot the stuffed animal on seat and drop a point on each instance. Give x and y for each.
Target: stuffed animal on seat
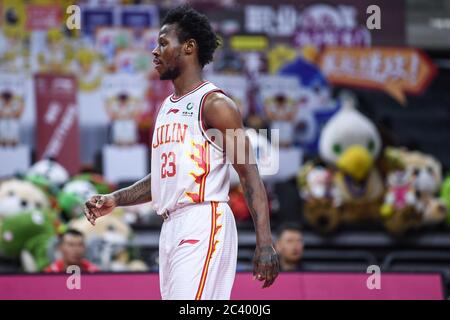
(349, 145)
(72, 197)
(314, 105)
(445, 195)
(98, 181)
(321, 200)
(426, 177)
(50, 170)
(412, 198)
(29, 236)
(19, 195)
(398, 210)
(108, 242)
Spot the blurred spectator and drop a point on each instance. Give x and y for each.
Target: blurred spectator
(282, 115)
(72, 249)
(289, 246)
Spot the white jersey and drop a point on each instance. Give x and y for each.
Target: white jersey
(186, 166)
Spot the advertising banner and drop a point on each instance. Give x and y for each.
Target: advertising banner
(395, 70)
(57, 120)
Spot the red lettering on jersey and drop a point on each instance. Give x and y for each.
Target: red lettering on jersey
(173, 133)
(167, 138)
(161, 132)
(163, 135)
(181, 134)
(157, 138)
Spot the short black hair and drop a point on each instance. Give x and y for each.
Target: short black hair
(72, 232)
(191, 24)
(288, 227)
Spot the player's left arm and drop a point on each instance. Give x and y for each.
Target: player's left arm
(221, 113)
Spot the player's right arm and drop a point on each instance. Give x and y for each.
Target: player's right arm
(102, 204)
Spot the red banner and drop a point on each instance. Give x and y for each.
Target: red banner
(57, 120)
(43, 17)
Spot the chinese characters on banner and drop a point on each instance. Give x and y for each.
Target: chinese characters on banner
(318, 24)
(394, 70)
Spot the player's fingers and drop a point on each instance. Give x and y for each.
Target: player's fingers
(89, 216)
(96, 213)
(271, 273)
(89, 204)
(258, 275)
(87, 213)
(270, 277)
(261, 273)
(268, 282)
(93, 200)
(92, 220)
(255, 274)
(255, 266)
(275, 269)
(100, 201)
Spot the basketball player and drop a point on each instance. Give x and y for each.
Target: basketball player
(189, 179)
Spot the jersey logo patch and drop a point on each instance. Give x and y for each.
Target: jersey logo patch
(190, 241)
(189, 107)
(173, 110)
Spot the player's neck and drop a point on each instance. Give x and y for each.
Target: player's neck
(186, 82)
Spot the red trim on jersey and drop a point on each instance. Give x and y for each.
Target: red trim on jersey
(202, 283)
(173, 98)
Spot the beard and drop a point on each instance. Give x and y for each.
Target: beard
(170, 74)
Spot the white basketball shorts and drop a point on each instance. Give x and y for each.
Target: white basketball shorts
(198, 253)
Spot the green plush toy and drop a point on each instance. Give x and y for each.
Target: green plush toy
(27, 236)
(100, 184)
(43, 183)
(445, 195)
(50, 189)
(72, 197)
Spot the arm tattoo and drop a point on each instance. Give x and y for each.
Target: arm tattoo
(249, 196)
(139, 192)
(257, 204)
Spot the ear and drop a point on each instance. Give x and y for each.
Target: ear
(190, 46)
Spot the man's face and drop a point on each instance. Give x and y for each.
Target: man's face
(290, 245)
(168, 53)
(72, 249)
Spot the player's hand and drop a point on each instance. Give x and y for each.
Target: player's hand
(265, 265)
(98, 206)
